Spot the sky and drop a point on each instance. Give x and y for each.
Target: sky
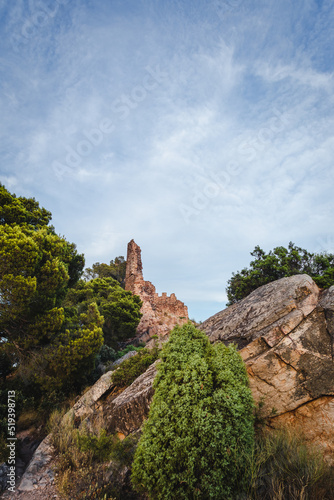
(198, 128)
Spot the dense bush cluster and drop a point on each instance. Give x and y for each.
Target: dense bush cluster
(200, 421)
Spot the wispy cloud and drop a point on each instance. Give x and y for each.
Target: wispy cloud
(199, 129)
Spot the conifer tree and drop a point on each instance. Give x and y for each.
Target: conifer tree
(37, 267)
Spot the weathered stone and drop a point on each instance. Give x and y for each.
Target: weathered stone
(87, 403)
(160, 313)
(285, 330)
(270, 312)
(39, 466)
(126, 413)
(297, 370)
(327, 303)
(126, 356)
(315, 420)
(90, 401)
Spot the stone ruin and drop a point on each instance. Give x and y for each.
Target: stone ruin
(160, 313)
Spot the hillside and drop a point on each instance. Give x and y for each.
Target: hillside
(284, 331)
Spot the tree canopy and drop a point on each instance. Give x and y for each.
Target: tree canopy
(119, 308)
(20, 210)
(280, 263)
(37, 268)
(200, 421)
(115, 269)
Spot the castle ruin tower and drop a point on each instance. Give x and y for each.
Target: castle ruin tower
(134, 267)
(159, 313)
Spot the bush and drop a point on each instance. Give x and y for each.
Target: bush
(283, 467)
(200, 421)
(131, 368)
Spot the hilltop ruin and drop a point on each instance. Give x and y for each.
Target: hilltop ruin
(160, 313)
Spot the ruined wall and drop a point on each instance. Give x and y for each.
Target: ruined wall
(160, 313)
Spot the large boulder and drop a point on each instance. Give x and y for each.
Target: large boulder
(269, 313)
(285, 333)
(126, 413)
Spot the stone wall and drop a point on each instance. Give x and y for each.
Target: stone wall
(160, 312)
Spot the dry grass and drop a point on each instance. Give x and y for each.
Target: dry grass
(283, 467)
(86, 457)
(81, 457)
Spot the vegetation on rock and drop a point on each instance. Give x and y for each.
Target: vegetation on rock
(131, 368)
(81, 457)
(200, 421)
(280, 263)
(52, 325)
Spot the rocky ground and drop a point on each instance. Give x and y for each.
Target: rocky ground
(38, 482)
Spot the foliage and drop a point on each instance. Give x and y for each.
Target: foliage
(119, 308)
(200, 420)
(283, 467)
(123, 451)
(128, 348)
(106, 354)
(22, 211)
(116, 270)
(71, 356)
(279, 263)
(37, 267)
(131, 368)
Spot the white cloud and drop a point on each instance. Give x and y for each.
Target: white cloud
(237, 126)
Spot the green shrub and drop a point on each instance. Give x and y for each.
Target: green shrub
(99, 446)
(123, 451)
(131, 368)
(106, 354)
(127, 349)
(283, 467)
(200, 421)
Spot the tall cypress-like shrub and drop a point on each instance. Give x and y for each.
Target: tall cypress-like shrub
(200, 422)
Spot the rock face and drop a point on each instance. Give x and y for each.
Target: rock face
(285, 331)
(37, 482)
(126, 413)
(123, 414)
(160, 313)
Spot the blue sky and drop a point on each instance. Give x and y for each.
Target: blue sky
(200, 129)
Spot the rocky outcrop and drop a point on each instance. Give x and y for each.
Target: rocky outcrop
(285, 332)
(160, 313)
(268, 313)
(126, 413)
(91, 400)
